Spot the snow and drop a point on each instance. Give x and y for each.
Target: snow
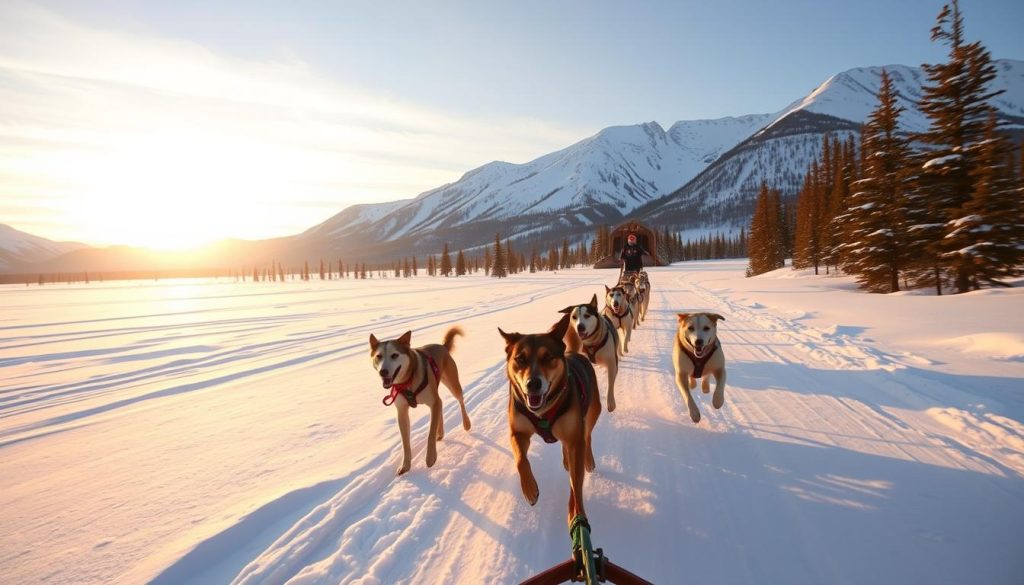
(941, 160)
(199, 431)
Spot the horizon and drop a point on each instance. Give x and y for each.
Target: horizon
(174, 127)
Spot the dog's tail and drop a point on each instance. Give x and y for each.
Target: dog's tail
(449, 338)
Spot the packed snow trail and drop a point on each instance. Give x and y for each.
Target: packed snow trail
(834, 460)
(825, 465)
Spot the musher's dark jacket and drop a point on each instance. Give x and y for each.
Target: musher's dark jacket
(633, 257)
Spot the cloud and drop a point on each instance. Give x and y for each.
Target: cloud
(104, 127)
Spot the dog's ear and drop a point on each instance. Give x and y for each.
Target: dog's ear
(405, 339)
(373, 342)
(567, 310)
(510, 339)
(559, 329)
(682, 316)
(715, 317)
(593, 301)
(606, 289)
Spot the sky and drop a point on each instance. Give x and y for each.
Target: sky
(171, 124)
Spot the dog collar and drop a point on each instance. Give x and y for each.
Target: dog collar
(403, 389)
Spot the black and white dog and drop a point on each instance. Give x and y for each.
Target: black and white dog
(596, 336)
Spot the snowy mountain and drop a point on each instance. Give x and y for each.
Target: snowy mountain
(722, 196)
(18, 247)
(699, 175)
(599, 179)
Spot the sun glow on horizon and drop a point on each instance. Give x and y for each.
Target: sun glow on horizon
(120, 138)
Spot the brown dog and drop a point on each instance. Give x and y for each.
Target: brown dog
(556, 397)
(412, 376)
(697, 353)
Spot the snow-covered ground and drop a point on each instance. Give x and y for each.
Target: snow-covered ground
(208, 432)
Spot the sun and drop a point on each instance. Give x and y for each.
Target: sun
(174, 191)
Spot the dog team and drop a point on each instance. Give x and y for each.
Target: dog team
(553, 388)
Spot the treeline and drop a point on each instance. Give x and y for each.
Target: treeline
(940, 209)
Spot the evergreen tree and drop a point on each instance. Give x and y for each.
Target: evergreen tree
(566, 262)
(876, 249)
(766, 250)
(955, 101)
(803, 222)
(511, 259)
(406, 269)
(431, 269)
(488, 261)
(533, 260)
(446, 262)
(460, 264)
(986, 240)
(499, 266)
(553, 262)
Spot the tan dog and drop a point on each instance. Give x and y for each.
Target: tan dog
(412, 376)
(596, 336)
(556, 397)
(697, 353)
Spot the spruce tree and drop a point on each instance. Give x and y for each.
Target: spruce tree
(460, 264)
(876, 250)
(499, 268)
(986, 240)
(566, 261)
(446, 262)
(511, 259)
(759, 234)
(803, 233)
(955, 101)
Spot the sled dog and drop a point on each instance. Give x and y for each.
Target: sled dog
(633, 298)
(596, 336)
(697, 353)
(554, 396)
(643, 287)
(619, 310)
(412, 375)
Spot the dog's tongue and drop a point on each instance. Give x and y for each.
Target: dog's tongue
(534, 400)
(386, 382)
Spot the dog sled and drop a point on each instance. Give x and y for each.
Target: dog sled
(586, 565)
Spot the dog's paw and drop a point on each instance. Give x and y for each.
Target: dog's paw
(531, 492)
(694, 414)
(466, 425)
(431, 458)
(611, 404)
(589, 465)
(718, 399)
(403, 469)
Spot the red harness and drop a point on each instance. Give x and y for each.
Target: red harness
(403, 389)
